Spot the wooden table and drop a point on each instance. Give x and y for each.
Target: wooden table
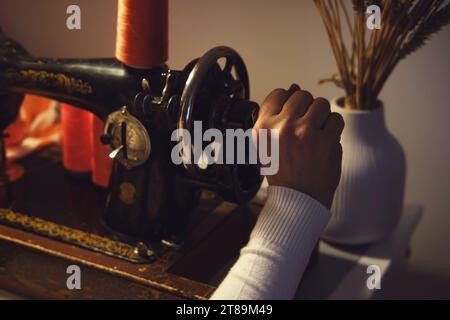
(33, 266)
(341, 272)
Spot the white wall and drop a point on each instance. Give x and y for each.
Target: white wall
(283, 42)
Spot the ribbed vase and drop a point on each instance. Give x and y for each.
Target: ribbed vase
(369, 199)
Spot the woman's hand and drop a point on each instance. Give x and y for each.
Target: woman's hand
(309, 142)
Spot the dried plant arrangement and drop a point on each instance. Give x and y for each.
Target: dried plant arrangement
(369, 58)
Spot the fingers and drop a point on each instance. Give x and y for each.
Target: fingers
(275, 101)
(334, 126)
(293, 88)
(318, 112)
(297, 104)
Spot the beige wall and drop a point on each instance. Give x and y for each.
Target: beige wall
(283, 42)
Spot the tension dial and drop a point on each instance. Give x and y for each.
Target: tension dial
(128, 139)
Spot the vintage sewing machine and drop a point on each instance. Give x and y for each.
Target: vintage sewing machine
(151, 205)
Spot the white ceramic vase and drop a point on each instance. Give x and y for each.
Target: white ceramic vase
(369, 199)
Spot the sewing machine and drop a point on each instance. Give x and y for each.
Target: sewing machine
(149, 197)
(147, 209)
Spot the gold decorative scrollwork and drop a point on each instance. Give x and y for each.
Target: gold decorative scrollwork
(83, 239)
(49, 79)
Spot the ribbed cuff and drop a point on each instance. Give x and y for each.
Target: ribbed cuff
(291, 220)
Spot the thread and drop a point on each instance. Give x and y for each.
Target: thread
(142, 32)
(75, 139)
(100, 162)
(142, 42)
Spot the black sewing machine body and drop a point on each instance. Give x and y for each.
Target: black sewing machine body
(149, 197)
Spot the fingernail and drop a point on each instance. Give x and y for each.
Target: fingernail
(293, 88)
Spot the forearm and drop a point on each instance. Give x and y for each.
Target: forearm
(272, 263)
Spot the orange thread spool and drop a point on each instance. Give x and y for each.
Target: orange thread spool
(142, 42)
(75, 139)
(100, 162)
(142, 32)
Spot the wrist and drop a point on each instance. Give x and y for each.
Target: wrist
(323, 197)
(290, 218)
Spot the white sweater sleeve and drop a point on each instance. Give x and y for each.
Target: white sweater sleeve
(271, 265)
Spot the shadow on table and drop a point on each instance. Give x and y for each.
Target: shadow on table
(322, 279)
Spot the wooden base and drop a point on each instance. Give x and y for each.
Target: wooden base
(36, 266)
